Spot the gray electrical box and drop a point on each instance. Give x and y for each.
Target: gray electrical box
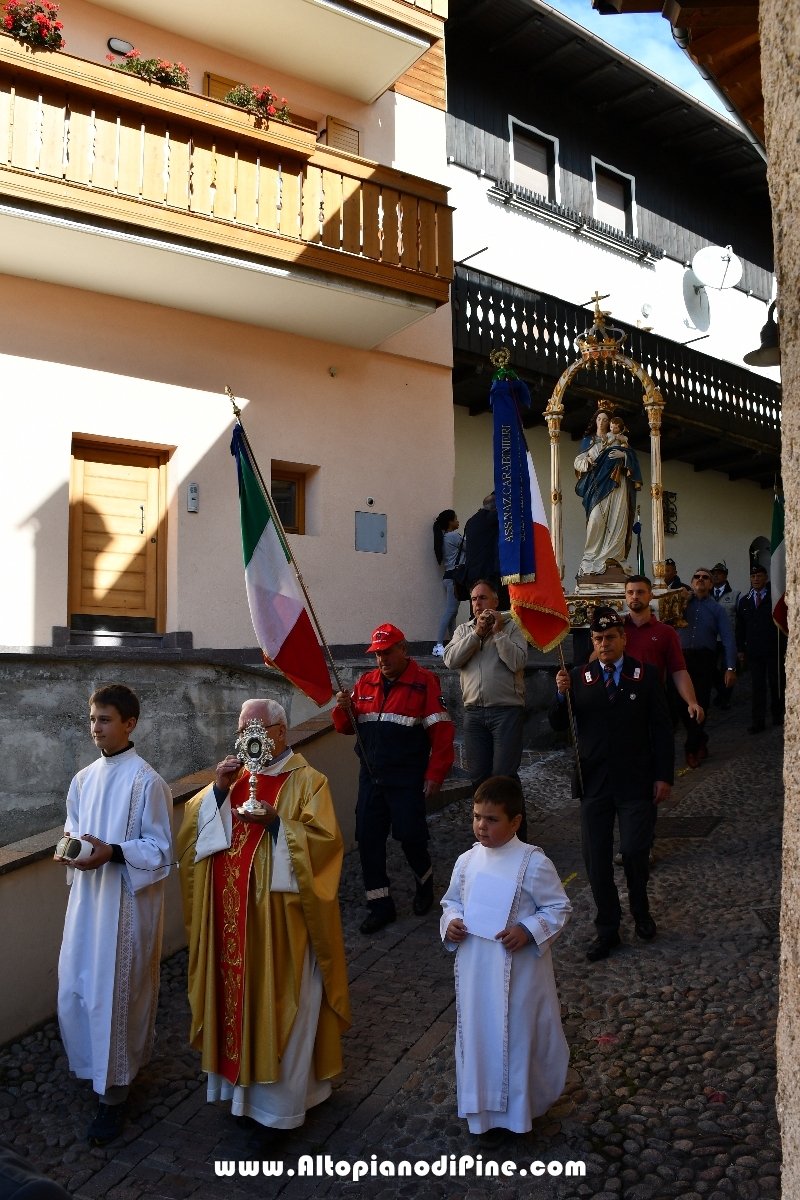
(371, 532)
(192, 497)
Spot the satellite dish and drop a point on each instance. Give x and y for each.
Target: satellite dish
(695, 298)
(717, 267)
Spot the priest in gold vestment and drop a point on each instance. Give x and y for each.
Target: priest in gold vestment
(267, 974)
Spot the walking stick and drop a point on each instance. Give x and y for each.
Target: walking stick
(573, 726)
(237, 412)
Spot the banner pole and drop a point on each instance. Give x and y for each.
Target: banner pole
(572, 724)
(237, 412)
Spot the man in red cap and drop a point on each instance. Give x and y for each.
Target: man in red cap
(407, 738)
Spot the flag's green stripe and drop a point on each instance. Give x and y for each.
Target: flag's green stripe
(255, 514)
(777, 525)
(254, 511)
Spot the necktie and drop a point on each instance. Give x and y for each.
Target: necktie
(611, 687)
(757, 598)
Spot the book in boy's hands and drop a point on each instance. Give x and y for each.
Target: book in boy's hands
(489, 904)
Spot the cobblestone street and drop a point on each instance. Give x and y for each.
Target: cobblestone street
(671, 1085)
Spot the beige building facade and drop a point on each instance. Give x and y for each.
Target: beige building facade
(157, 245)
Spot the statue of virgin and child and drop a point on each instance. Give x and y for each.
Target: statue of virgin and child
(609, 477)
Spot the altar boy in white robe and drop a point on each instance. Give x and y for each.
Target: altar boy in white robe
(108, 970)
(504, 908)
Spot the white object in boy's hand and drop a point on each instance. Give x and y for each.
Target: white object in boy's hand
(489, 904)
(71, 850)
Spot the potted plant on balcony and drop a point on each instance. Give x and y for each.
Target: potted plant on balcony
(34, 25)
(260, 101)
(154, 70)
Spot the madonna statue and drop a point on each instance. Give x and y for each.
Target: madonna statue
(608, 479)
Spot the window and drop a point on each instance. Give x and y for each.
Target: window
(289, 495)
(612, 203)
(534, 162)
(217, 86)
(340, 136)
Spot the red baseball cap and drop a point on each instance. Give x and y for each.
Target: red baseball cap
(385, 636)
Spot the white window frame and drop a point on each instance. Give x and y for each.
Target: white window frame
(598, 162)
(548, 137)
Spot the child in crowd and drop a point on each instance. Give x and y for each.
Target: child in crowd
(511, 1053)
(108, 970)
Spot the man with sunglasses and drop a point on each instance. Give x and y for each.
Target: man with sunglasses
(706, 621)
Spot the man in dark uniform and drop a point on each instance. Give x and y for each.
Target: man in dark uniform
(407, 738)
(763, 644)
(626, 753)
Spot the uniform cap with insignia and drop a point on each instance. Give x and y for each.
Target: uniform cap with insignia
(605, 618)
(385, 636)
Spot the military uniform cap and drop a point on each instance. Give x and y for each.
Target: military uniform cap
(720, 567)
(606, 618)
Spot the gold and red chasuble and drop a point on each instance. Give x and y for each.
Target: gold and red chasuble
(231, 880)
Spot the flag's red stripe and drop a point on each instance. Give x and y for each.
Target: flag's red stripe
(546, 592)
(300, 658)
(780, 614)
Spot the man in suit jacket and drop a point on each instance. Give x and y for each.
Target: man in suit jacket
(626, 752)
(760, 640)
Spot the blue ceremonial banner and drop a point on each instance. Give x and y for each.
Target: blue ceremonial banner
(512, 484)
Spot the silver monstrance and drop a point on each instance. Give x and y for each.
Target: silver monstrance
(254, 748)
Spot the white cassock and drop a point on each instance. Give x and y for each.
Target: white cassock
(283, 1104)
(511, 1053)
(108, 969)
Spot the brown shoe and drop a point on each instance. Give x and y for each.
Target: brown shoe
(692, 760)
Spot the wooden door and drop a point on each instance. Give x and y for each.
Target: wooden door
(117, 538)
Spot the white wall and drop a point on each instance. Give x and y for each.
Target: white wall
(529, 251)
(717, 518)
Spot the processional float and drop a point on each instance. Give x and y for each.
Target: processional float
(601, 346)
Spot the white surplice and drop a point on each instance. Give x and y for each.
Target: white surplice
(108, 969)
(511, 1053)
(283, 1104)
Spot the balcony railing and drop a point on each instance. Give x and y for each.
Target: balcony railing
(540, 331)
(81, 136)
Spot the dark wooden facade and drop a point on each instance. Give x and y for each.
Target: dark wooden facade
(697, 178)
(717, 416)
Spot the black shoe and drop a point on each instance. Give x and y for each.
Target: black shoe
(423, 901)
(602, 946)
(757, 728)
(646, 928)
(492, 1138)
(107, 1125)
(377, 918)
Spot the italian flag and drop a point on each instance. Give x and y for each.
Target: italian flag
(280, 620)
(540, 607)
(780, 614)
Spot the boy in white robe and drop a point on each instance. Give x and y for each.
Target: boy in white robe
(108, 969)
(511, 1053)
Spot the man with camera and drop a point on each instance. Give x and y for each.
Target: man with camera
(490, 651)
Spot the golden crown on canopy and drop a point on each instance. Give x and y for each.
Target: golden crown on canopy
(601, 341)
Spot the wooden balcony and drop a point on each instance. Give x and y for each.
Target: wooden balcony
(357, 48)
(81, 138)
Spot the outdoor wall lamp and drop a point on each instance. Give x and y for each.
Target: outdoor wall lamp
(769, 352)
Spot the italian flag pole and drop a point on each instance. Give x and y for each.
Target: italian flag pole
(276, 592)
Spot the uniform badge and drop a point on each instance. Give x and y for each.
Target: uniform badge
(637, 672)
(587, 675)
(633, 695)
